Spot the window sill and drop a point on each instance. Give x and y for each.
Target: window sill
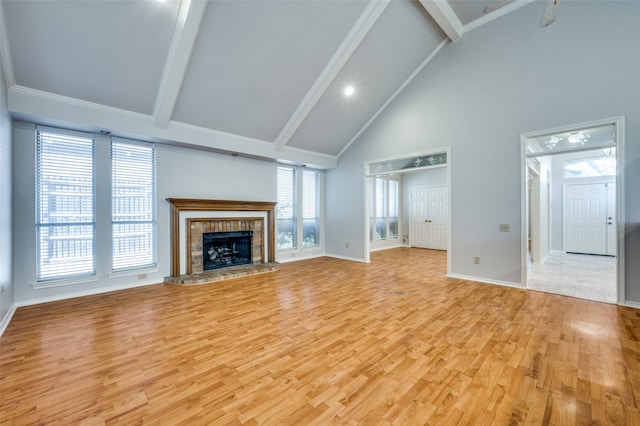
(65, 281)
(133, 272)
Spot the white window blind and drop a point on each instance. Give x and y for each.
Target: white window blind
(65, 204)
(384, 206)
(310, 211)
(286, 208)
(133, 209)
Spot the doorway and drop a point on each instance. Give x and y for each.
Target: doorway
(572, 203)
(589, 212)
(426, 169)
(428, 217)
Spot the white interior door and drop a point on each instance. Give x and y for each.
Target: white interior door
(438, 217)
(585, 219)
(418, 217)
(612, 236)
(429, 217)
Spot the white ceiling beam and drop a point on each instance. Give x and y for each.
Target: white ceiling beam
(185, 36)
(5, 53)
(445, 17)
(367, 19)
(61, 111)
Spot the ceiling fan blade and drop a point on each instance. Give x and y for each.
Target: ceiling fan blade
(550, 13)
(496, 5)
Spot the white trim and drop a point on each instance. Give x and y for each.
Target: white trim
(353, 259)
(61, 111)
(65, 281)
(295, 257)
(5, 53)
(486, 281)
(367, 20)
(7, 319)
(630, 304)
(504, 10)
(619, 124)
(91, 292)
(133, 272)
(395, 94)
(184, 40)
(396, 243)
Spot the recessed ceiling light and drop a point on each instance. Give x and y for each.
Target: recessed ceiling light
(161, 1)
(349, 90)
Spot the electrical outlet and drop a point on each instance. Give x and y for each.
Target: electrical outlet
(2, 289)
(142, 276)
(504, 227)
(347, 245)
(476, 260)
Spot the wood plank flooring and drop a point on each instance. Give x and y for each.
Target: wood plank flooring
(324, 341)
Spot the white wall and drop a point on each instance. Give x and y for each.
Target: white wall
(181, 173)
(6, 270)
(477, 96)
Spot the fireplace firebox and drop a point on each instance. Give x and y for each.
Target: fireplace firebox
(224, 249)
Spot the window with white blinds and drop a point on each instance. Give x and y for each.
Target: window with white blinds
(384, 208)
(133, 204)
(286, 208)
(298, 208)
(65, 204)
(310, 210)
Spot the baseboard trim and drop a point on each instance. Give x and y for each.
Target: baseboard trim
(296, 258)
(487, 281)
(630, 304)
(7, 319)
(353, 259)
(29, 302)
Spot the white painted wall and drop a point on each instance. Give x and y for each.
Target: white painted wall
(181, 173)
(6, 194)
(477, 96)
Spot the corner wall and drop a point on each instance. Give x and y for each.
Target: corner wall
(7, 298)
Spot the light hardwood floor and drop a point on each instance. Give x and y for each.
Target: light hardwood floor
(324, 341)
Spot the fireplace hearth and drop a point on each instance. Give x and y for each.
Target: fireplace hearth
(225, 249)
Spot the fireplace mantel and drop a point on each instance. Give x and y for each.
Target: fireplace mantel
(178, 205)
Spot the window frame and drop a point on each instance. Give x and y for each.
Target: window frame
(152, 196)
(41, 278)
(384, 204)
(298, 196)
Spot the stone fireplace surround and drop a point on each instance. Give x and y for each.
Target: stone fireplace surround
(218, 215)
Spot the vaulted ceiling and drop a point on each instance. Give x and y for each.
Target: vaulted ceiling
(262, 78)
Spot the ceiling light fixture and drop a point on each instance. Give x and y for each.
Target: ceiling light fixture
(349, 90)
(578, 137)
(552, 142)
